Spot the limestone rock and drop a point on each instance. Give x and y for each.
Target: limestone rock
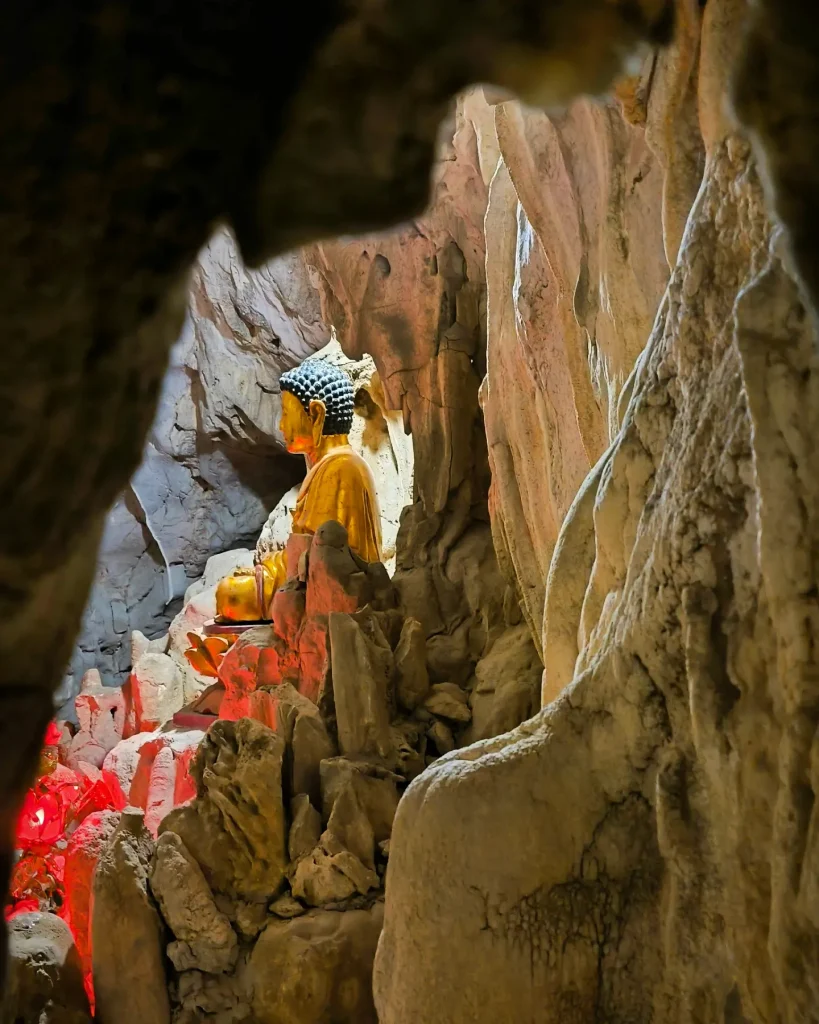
(362, 664)
(305, 830)
(349, 823)
(286, 907)
(441, 736)
(317, 968)
(331, 873)
(186, 903)
(411, 675)
(85, 846)
(301, 725)
(129, 975)
(235, 827)
(101, 715)
(507, 685)
(44, 984)
(374, 787)
(157, 690)
(446, 700)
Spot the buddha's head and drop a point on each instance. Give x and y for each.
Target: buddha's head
(317, 401)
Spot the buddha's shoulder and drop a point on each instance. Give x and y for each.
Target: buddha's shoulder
(348, 464)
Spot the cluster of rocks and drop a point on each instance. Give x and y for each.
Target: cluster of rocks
(245, 881)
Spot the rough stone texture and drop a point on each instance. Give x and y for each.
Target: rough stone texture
(205, 939)
(117, 164)
(215, 462)
(82, 853)
(45, 982)
(316, 968)
(126, 930)
(235, 828)
(645, 848)
(362, 664)
(575, 273)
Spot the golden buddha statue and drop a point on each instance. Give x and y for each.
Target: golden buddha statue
(317, 413)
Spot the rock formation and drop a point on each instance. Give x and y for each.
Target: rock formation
(649, 851)
(45, 977)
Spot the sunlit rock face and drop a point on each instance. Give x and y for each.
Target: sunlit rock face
(645, 849)
(215, 463)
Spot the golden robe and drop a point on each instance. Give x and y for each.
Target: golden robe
(339, 486)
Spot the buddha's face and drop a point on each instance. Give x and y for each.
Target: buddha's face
(302, 429)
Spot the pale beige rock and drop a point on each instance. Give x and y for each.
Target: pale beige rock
(349, 823)
(651, 847)
(411, 675)
(157, 689)
(362, 664)
(186, 902)
(374, 787)
(286, 907)
(44, 983)
(129, 976)
(317, 968)
(446, 700)
(507, 686)
(305, 829)
(235, 827)
(331, 874)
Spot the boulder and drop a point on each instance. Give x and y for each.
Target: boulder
(316, 968)
(204, 937)
(127, 948)
(362, 664)
(44, 984)
(235, 827)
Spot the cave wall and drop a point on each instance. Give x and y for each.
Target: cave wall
(214, 464)
(645, 848)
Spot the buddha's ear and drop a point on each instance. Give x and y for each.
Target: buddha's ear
(317, 412)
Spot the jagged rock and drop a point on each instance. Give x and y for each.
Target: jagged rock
(441, 735)
(219, 997)
(305, 830)
(85, 846)
(286, 907)
(349, 823)
(299, 722)
(258, 658)
(126, 931)
(101, 715)
(362, 664)
(507, 686)
(317, 968)
(375, 789)
(448, 701)
(411, 675)
(44, 983)
(157, 690)
(250, 918)
(132, 762)
(235, 827)
(186, 901)
(287, 610)
(331, 873)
